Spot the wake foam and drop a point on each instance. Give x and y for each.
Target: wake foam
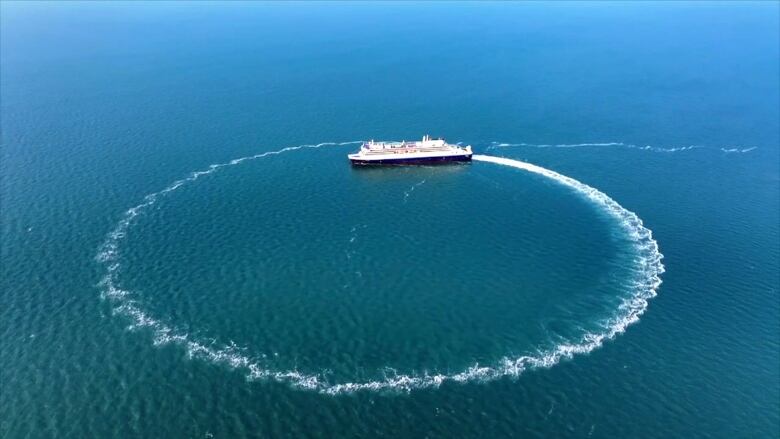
(409, 191)
(739, 150)
(643, 287)
(657, 149)
(497, 145)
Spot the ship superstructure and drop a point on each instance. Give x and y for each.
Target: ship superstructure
(425, 151)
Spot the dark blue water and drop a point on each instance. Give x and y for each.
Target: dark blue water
(291, 295)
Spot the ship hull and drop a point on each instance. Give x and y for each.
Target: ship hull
(442, 160)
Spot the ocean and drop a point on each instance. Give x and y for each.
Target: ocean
(187, 252)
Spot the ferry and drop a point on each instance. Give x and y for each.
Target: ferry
(426, 151)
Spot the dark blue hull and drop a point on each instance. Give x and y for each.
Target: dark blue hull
(414, 161)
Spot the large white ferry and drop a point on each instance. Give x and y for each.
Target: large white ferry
(426, 151)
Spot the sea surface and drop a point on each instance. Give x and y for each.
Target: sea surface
(186, 251)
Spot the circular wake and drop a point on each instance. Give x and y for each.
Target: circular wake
(644, 287)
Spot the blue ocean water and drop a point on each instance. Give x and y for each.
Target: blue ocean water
(207, 309)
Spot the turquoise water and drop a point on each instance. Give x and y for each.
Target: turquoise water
(154, 285)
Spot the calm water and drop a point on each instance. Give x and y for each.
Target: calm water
(240, 301)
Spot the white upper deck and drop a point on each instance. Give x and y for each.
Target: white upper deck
(426, 142)
(427, 147)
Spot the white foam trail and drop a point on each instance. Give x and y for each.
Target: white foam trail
(354, 235)
(739, 150)
(411, 189)
(658, 149)
(496, 145)
(644, 288)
